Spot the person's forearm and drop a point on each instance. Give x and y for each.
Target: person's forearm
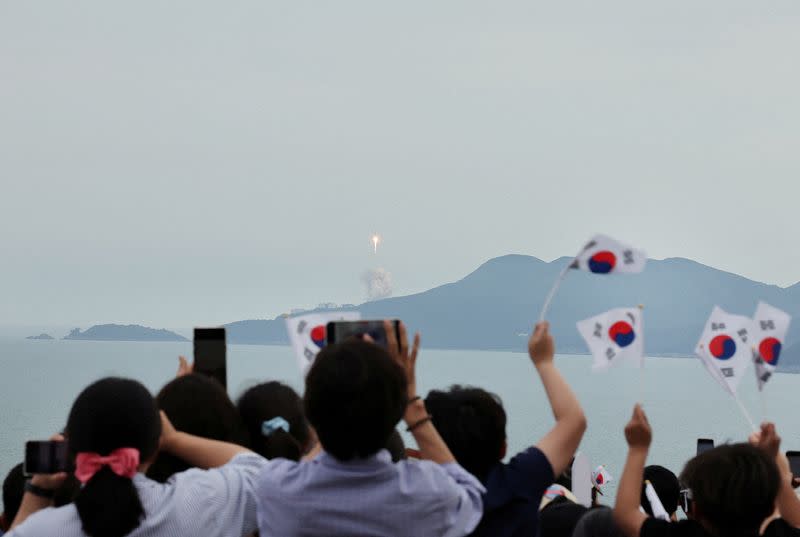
(430, 444)
(202, 452)
(626, 511)
(564, 403)
(789, 503)
(30, 504)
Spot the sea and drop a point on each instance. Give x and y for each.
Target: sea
(40, 379)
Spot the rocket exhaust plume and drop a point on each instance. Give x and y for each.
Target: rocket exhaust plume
(378, 283)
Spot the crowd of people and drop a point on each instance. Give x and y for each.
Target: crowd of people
(191, 462)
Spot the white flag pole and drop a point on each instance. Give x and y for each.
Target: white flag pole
(744, 412)
(553, 291)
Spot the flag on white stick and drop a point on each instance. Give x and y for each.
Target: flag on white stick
(601, 477)
(604, 255)
(770, 326)
(726, 347)
(614, 337)
(307, 334)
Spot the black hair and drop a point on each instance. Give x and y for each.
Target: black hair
(666, 486)
(13, 489)
(110, 414)
(199, 405)
(270, 400)
(396, 447)
(355, 395)
(472, 422)
(733, 487)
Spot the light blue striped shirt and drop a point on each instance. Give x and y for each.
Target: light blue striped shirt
(367, 498)
(207, 503)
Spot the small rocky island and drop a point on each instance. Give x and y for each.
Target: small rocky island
(119, 332)
(42, 336)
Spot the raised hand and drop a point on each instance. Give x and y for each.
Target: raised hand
(541, 347)
(405, 357)
(638, 432)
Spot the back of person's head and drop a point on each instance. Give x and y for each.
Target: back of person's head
(667, 488)
(355, 395)
(198, 405)
(733, 488)
(112, 414)
(271, 401)
(472, 423)
(13, 489)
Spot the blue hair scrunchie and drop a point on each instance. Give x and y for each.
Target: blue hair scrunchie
(270, 426)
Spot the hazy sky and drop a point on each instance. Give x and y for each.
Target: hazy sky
(191, 162)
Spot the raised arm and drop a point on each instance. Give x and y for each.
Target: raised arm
(419, 423)
(197, 451)
(788, 502)
(626, 511)
(560, 443)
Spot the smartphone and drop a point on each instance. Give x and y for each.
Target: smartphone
(45, 457)
(704, 444)
(338, 331)
(209, 354)
(794, 462)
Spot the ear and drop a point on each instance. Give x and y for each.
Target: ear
(504, 449)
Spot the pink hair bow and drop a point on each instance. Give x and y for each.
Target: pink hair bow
(122, 461)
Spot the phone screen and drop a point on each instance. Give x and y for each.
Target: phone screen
(45, 457)
(209, 353)
(794, 462)
(338, 331)
(704, 444)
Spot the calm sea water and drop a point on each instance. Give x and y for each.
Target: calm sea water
(40, 379)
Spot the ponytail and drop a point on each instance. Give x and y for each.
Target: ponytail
(280, 444)
(109, 505)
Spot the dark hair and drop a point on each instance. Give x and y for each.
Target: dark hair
(733, 487)
(355, 395)
(270, 400)
(198, 405)
(666, 486)
(472, 423)
(13, 489)
(396, 447)
(110, 414)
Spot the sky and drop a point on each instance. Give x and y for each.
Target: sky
(192, 162)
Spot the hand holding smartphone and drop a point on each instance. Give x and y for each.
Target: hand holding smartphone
(45, 457)
(794, 465)
(210, 354)
(338, 331)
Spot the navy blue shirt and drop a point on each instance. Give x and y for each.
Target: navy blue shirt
(513, 494)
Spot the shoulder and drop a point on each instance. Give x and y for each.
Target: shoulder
(239, 471)
(531, 458)
(436, 481)
(527, 474)
(61, 521)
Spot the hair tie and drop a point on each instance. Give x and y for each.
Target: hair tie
(270, 426)
(122, 461)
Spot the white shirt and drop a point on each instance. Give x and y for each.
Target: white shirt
(209, 503)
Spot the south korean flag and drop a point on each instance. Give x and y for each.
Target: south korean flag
(604, 255)
(615, 337)
(726, 347)
(307, 334)
(770, 326)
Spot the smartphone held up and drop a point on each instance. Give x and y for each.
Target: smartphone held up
(45, 457)
(210, 354)
(338, 331)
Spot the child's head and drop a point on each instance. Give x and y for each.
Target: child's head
(266, 403)
(733, 488)
(472, 423)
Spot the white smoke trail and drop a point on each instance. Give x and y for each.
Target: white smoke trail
(378, 282)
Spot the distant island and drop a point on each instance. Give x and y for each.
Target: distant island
(495, 306)
(42, 336)
(118, 332)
